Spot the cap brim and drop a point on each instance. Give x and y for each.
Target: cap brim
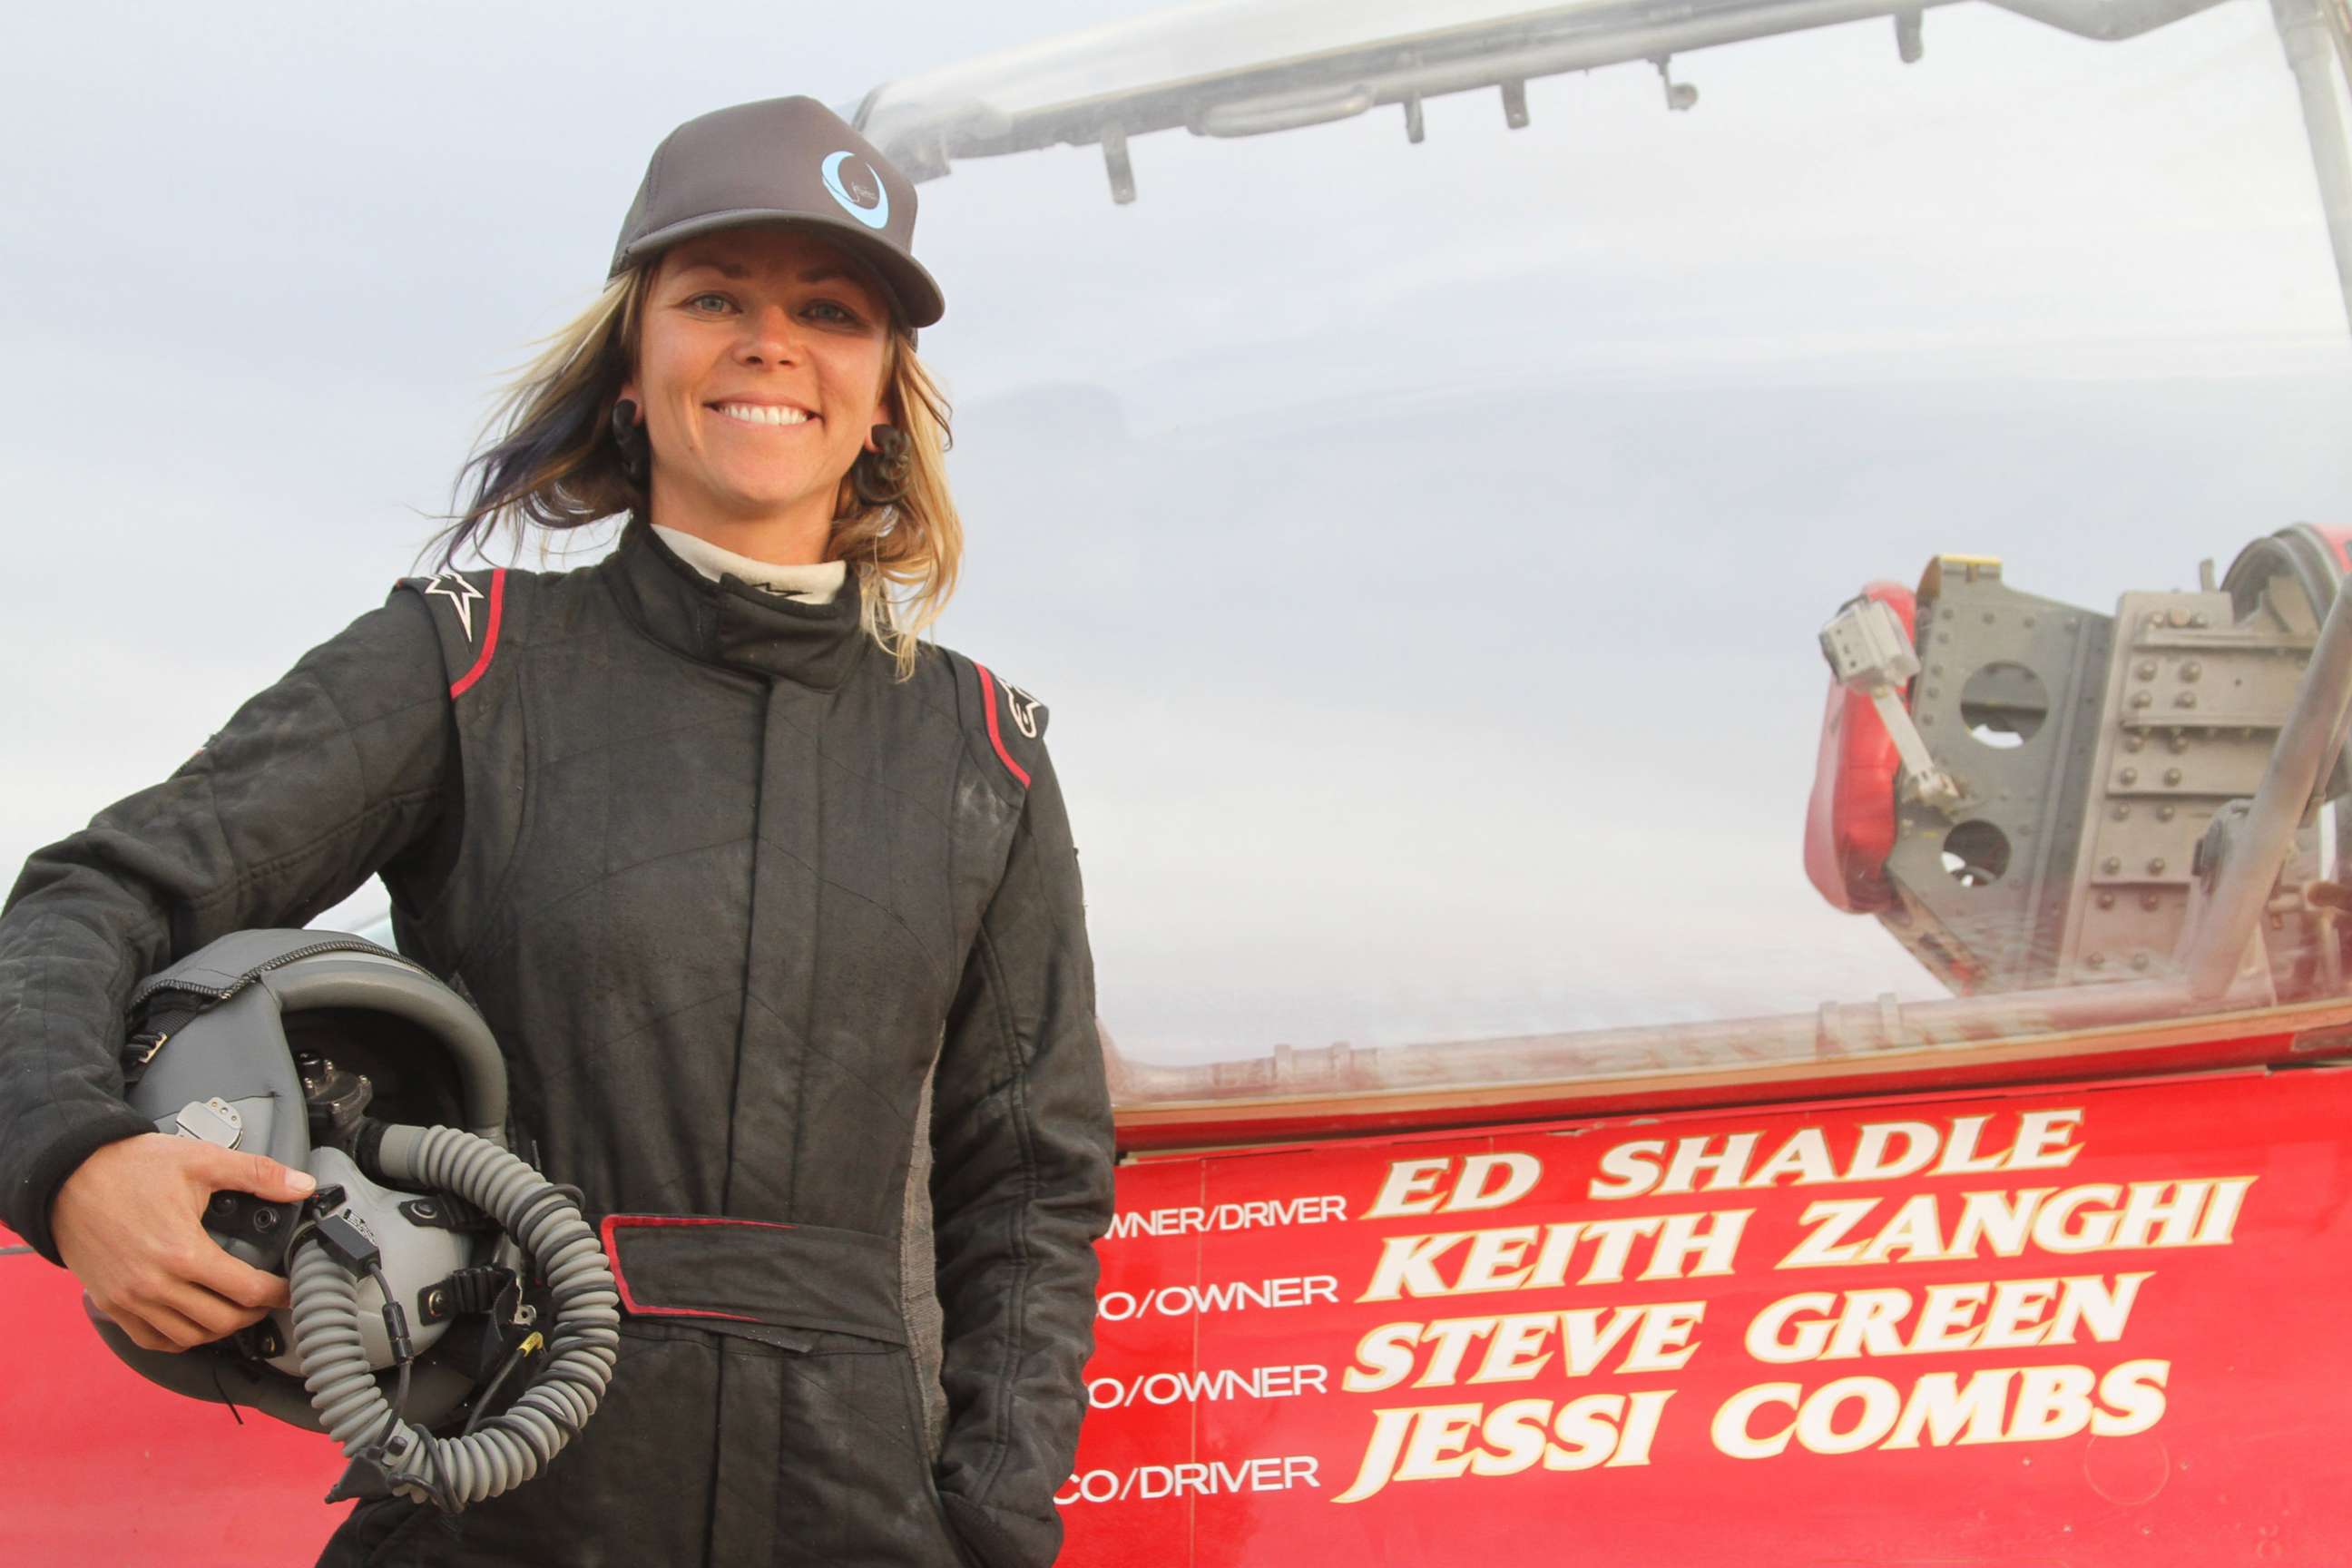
(919, 297)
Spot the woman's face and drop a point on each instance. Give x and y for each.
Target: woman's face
(759, 379)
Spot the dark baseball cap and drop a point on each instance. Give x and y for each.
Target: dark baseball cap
(782, 160)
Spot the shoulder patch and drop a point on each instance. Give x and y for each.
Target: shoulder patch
(467, 607)
(1009, 711)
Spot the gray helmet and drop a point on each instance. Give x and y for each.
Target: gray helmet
(413, 1264)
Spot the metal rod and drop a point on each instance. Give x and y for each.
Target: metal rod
(2297, 762)
(2311, 54)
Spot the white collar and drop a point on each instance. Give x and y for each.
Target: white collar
(817, 585)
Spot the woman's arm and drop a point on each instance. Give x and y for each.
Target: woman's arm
(1021, 1189)
(310, 788)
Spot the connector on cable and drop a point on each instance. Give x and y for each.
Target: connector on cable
(395, 1327)
(348, 1245)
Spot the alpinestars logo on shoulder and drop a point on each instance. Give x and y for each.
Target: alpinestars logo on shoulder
(462, 596)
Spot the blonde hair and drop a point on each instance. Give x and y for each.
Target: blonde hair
(547, 458)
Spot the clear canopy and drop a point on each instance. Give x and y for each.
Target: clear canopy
(1447, 477)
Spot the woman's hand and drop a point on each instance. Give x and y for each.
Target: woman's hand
(128, 1224)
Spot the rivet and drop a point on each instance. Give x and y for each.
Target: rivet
(1935, 691)
(2164, 814)
(2156, 866)
(2139, 960)
(2112, 863)
(2149, 900)
(1988, 617)
(2096, 961)
(2185, 699)
(2145, 670)
(2129, 775)
(2029, 621)
(2107, 900)
(2179, 742)
(1926, 719)
(2141, 699)
(2191, 670)
(2200, 619)
(2120, 813)
(2172, 776)
(1935, 669)
(2134, 743)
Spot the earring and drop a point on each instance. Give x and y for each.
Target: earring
(630, 438)
(879, 477)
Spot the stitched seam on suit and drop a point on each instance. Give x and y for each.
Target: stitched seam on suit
(753, 678)
(816, 743)
(73, 916)
(486, 914)
(587, 888)
(1001, 1439)
(757, 681)
(246, 874)
(938, 972)
(798, 1368)
(811, 1048)
(586, 1055)
(995, 779)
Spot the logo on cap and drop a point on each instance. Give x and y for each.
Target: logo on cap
(872, 216)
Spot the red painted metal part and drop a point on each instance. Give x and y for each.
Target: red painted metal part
(2339, 540)
(100, 1466)
(1222, 1431)
(1850, 820)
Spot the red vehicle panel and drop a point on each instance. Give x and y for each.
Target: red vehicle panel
(2073, 1323)
(100, 1466)
(2081, 1324)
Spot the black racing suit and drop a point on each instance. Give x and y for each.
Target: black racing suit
(730, 895)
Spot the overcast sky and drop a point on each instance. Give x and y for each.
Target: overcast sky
(1420, 548)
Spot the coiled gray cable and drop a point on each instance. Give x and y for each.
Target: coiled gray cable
(582, 1338)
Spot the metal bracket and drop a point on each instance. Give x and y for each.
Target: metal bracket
(1869, 652)
(1908, 42)
(1680, 95)
(1121, 167)
(477, 1290)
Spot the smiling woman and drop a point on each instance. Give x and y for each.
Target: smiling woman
(771, 907)
(760, 377)
(770, 366)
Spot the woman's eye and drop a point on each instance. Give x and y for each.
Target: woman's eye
(709, 304)
(826, 310)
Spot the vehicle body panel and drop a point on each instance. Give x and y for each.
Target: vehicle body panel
(2236, 1467)
(2232, 1470)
